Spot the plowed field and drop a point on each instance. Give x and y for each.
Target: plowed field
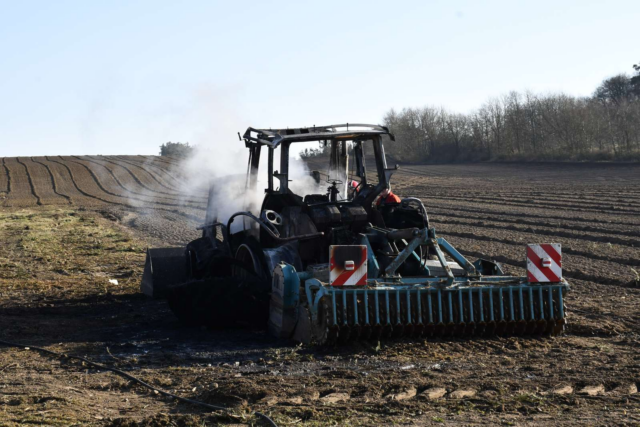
(144, 191)
(103, 210)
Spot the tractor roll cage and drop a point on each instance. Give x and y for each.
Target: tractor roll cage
(348, 131)
(337, 135)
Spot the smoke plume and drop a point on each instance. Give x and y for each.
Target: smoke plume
(224, 166)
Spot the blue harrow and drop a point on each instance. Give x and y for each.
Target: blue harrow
(385, 306)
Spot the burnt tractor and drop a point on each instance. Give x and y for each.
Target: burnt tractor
(335, 265)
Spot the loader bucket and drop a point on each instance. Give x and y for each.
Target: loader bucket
(162, 268)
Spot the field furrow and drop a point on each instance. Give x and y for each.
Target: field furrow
(146, 173)
(446, 209)
(21, 193)
(511, 250)
(5, 182)
(577, 241)
(44, 184)
(64, 184)
(127, 173)
(90, 191)
(545, 231)
(489, 201)
(110, 184)
(527, 175)
(548, 197)
(551, 199)
(173, 171)
(157, 174)
(23, 163)
(117, 180)
(619, 197)
(553, 223)
(597, 217)
(87, 183)
(172, 175)
(168, 160)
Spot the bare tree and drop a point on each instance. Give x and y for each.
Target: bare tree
(527, 126)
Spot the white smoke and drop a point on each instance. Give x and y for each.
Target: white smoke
(221, 159)
(225, 165)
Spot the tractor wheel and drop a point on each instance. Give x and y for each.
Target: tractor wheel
(219, 302)
(203, 260)
(250, 260)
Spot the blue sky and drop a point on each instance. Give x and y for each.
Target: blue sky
(122, 77)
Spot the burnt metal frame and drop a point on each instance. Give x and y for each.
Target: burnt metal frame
(273, 138)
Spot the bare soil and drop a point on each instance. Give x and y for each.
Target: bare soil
(70, 224)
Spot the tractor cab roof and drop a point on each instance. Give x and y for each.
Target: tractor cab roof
(345, 132)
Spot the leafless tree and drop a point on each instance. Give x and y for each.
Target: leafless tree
(526, 126)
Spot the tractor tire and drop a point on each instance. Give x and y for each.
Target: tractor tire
(221, 302)
(206, 261)
(250, 260)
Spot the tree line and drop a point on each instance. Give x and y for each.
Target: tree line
(526, 126)
(177, 149)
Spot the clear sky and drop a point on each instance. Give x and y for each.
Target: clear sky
(122, 77)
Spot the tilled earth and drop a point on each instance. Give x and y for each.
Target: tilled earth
(69, 224)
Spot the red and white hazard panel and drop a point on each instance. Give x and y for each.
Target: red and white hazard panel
(347, 265)
(544, 263)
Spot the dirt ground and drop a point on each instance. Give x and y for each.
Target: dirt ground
(69, 225)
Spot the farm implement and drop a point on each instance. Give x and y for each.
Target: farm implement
(339, 264)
